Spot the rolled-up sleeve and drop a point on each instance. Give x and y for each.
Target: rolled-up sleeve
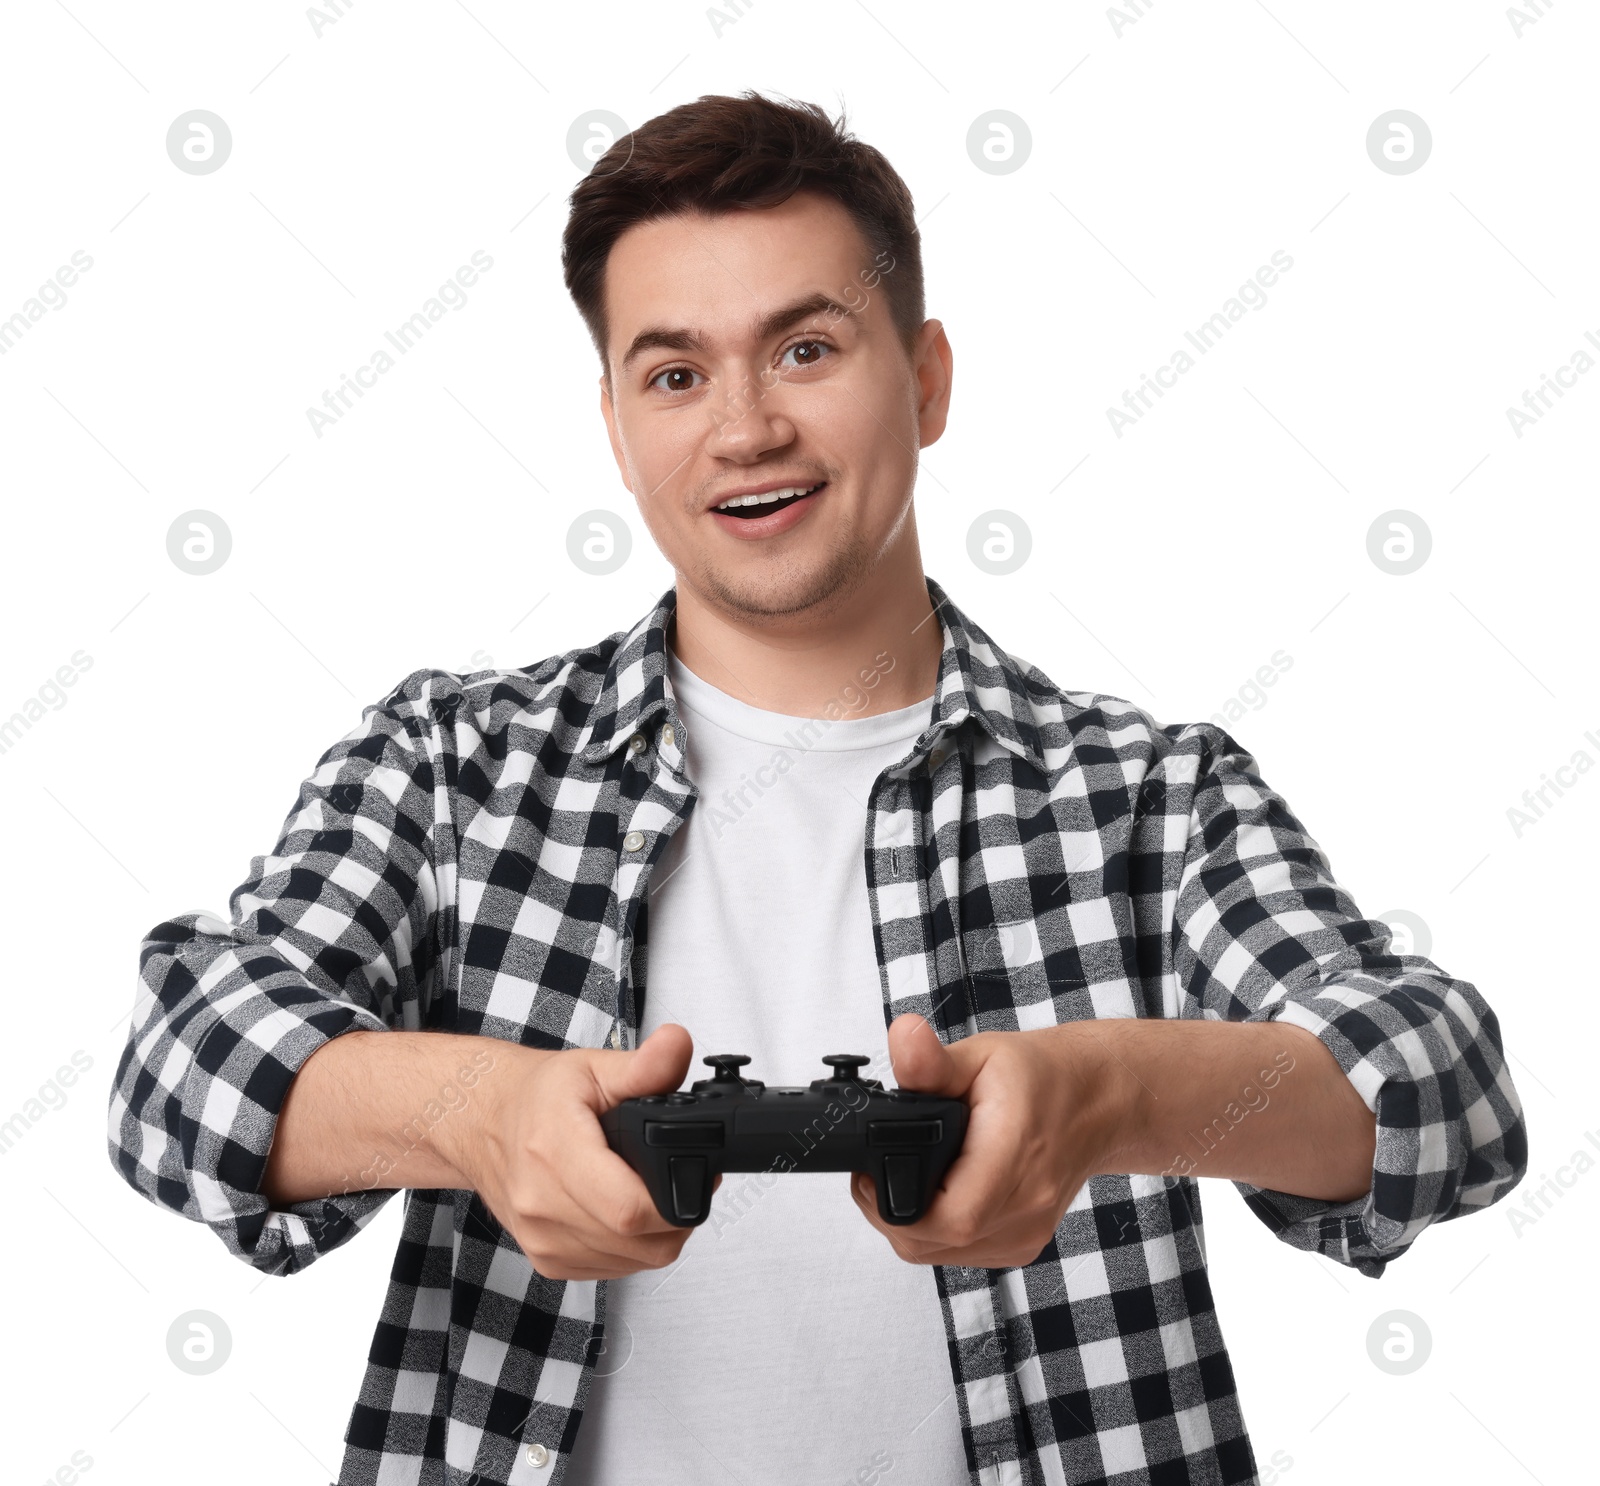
(1261, 931)
(335, 930)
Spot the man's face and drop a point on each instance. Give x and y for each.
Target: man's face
(754, 351)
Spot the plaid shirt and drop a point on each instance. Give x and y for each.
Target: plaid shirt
(475, 857)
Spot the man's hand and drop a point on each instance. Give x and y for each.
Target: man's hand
(1036, 1128)
(520, 1126)
(537, 1156)
(1260, 1102)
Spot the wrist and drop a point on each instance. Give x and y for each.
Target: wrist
(492, 1073)
(455, 1138)
(1111, 1101)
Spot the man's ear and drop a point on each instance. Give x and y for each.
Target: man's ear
(934, 365)
(609, 413)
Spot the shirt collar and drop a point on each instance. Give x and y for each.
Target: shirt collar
(976, 678)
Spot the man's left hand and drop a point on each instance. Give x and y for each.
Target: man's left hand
(1039, 1124)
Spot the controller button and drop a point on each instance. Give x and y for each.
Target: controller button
(905, 1132)
(683, 1099)
(652, 1099)
(696, 1133)
(902, 1175)
(688, 1176)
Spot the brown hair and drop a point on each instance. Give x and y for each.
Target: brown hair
(722, 154)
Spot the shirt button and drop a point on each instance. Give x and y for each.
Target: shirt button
(667, 735)
(636, 743)
(633, 841)
(538, 1455)
(938, 757)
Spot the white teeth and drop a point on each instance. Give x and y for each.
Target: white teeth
(766, 497)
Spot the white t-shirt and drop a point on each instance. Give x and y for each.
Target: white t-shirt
(789, 1343)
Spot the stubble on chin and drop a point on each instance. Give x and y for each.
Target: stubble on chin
(792, 590)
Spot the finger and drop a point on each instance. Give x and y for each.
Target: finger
(1006, 1247)
(976, 1196)
(611, 1196)
(657, 1066)
(564, 1227)
(606, 1196)
(573, 1238)
(920, 1061)
(583, 1265)
(974, 1200)
(864, 1191)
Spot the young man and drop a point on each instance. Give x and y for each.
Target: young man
(839, 818)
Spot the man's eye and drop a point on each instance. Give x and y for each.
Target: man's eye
(807, 353)
(675, 379)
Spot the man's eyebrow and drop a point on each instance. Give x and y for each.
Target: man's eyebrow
(660, 337)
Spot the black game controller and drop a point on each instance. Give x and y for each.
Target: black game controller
(678, 1143)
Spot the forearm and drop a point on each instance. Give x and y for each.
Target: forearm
(1258, 1102)
(378, 1110)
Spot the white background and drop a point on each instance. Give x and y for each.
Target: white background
(1171, 156)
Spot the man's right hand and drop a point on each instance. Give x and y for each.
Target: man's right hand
(534, 1151)
(525, 1136)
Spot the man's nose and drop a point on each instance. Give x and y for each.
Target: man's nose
(748, 420)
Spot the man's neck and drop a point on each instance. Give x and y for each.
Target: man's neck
(877, 652)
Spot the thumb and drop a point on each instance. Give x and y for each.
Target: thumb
(656, 1066)
(921, 1061)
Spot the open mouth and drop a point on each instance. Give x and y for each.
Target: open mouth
(748, 506)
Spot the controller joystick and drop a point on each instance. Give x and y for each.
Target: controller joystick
(727, 1066)
(844, 1065)
(904, 1140)
(726, 1079)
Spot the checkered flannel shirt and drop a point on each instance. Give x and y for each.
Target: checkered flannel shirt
(475, 855)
